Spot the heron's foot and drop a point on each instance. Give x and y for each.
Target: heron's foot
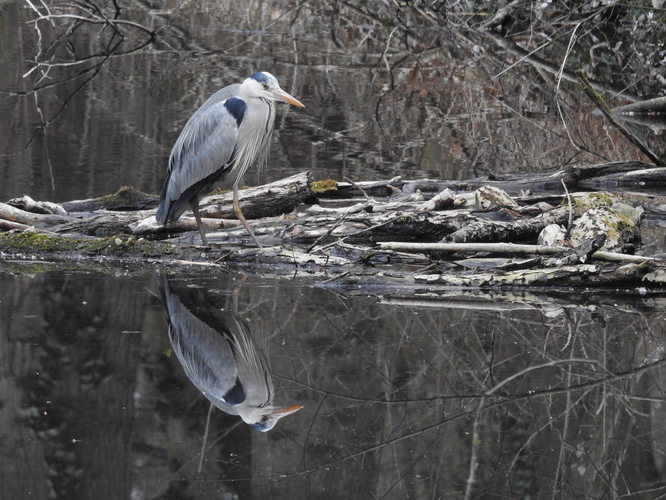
(203, 239)
(239, 214)
(195, 210)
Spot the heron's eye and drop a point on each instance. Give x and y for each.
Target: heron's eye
(265, 86)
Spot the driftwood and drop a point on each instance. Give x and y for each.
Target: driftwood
(604, 176)
(391, 233)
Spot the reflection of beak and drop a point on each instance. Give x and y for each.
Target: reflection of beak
(285, 410)
(283, 96)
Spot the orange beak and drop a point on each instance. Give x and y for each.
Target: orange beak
(286, 410)
(283, 96)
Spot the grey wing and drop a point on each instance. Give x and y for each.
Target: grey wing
(205, 355)
(200, 155)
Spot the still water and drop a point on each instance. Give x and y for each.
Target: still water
(489, 396)
(443, 108)
(528, 396)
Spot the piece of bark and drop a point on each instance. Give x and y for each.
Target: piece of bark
(578, 255)
(552, 234)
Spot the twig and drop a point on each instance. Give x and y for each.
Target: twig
(371, 228)
(339, 276)
(205, 438)
(357, 187)
(328, 233)
(559, 80)
(566, 191)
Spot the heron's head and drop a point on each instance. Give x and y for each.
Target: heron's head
(263, 84)
(264, 419)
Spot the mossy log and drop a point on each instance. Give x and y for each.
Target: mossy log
(314, 227)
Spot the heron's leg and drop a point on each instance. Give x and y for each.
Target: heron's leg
(194, 203)
(241, 217)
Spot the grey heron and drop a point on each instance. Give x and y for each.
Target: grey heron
(226, 135)
(220, 357)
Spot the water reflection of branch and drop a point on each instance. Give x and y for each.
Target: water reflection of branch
(611, 377)
(188, 462)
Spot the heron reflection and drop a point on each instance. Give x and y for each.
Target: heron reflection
(220, 357)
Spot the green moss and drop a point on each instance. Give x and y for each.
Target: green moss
(113, 245)
(587, 201)
(34, 242)
(126, 196)
(324, 185)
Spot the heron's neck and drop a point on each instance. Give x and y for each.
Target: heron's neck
(254, 134)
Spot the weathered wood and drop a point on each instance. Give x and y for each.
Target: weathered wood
(13, 214)
(505, 248)
(648, 179)
(6, 225)
(126, 198)
(351, 240)
(26, 203)
(102, 223)
(490, 230)
(576, 177)
(578, 255)
(271, 199)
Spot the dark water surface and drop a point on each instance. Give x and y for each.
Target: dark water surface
(541, 397)
(495, 396)
(446, 109)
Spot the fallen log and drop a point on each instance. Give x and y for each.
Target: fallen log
(27, 204)
(269, 200)
(263, 201)
(390, 240)
(505, 248)
(126, 198)
(603, 176)
(490, 230)
(13, 214)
